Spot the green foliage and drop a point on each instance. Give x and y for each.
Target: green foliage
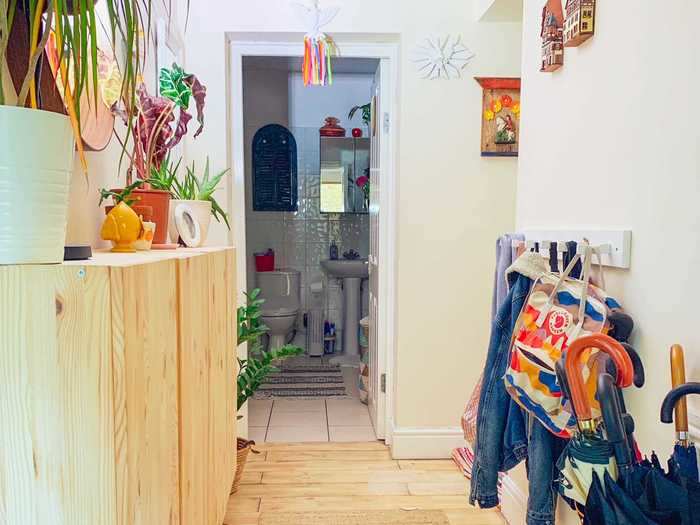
(174, 87)
(201, 189)
(253, 371)
(366, 113)
(122, 196)
(165, 176)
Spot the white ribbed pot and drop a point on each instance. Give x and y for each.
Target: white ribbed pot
(201, 211)
(37, 152)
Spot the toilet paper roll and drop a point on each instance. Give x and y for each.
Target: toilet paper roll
(316, 288)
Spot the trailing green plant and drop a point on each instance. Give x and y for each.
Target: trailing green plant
(253, 371)
(366, 113)
(120, 196)
(194, 188)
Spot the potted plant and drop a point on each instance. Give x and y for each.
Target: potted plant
(37, 146)
(253, 371)
(197, 195)
(366, 117)
(156, 131)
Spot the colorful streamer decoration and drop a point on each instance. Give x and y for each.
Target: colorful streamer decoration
(319, 48)
(318, 67)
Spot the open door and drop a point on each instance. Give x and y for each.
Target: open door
(377, 387)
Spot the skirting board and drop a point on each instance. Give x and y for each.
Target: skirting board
(425, 442)
(513, 502)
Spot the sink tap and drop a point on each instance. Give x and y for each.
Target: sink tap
(351, 255)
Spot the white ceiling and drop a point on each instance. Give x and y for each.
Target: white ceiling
(341, 65)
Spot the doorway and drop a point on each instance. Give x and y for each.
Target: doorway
(322, 299)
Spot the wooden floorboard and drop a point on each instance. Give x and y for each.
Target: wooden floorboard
(336, 477)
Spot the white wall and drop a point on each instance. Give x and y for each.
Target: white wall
(309, 106)
(453, 203)
(611, 141)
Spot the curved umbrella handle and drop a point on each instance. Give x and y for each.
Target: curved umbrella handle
(573, 372)
(612, 417)
(678, 379)
(673, 397)
(639, 376)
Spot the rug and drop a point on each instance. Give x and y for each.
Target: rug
(389, 517)
(303, 380)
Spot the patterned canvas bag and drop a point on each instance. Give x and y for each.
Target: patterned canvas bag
(558, 310)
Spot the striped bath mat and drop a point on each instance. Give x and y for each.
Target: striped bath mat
(303, 380)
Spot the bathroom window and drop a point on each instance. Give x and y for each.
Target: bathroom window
(274, 169)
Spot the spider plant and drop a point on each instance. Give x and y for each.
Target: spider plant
(72, 50)
(194, 188)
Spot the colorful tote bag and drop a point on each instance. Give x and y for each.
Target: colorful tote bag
(558, 310)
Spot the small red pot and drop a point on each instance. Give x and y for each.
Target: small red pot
(357, 133)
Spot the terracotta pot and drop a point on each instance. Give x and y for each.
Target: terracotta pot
(159, 202)
(144, 212)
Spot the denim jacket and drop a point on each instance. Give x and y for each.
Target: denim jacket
(505, 434)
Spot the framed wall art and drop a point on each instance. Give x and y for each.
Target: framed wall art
(500, 116)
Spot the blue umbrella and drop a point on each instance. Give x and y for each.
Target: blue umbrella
(683, 464)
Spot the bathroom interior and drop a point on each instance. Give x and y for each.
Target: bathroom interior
(307, 176)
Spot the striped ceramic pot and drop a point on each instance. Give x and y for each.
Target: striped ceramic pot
(37, 152)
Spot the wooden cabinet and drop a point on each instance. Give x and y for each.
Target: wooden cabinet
(117, 390)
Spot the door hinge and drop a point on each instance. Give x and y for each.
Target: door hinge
(382, 385)
(387, 122)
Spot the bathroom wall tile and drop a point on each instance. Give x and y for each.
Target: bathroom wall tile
(294, 231)
(310, 207)
(334, 230)
(317, 230)
(295, 255)
(315, 252)
(335, 296)
(313, 187)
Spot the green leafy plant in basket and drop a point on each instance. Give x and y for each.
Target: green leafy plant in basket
(253, 371)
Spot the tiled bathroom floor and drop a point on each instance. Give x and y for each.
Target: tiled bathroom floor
(299, 420)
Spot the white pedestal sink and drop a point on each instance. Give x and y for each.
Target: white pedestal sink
(352, 272)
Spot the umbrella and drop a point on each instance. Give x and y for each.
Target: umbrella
(608, 504)
(684, 461)
(642, 492)
(683, 466)
(588, 453)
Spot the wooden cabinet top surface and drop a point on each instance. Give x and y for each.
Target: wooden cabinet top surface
(107, 258)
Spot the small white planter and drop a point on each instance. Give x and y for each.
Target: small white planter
(37, 152)
(201, 214)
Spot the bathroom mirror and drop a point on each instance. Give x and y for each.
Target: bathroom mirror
(345, 165)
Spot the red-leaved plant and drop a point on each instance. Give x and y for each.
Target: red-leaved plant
(162, 121)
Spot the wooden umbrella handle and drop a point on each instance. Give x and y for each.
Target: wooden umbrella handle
(677, 379)
(625, 371)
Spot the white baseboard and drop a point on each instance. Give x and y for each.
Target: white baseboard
(425, 442)
(513, 502)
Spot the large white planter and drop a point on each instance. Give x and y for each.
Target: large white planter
(201, 213)
(37, 152)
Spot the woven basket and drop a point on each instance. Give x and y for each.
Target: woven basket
(243, 448)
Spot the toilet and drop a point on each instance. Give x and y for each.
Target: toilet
(281, 291)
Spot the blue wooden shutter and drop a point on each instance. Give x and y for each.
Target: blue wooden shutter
(274, 169)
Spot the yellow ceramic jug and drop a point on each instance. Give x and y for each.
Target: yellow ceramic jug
(122, 226)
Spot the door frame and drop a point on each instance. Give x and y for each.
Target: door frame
(286, 45)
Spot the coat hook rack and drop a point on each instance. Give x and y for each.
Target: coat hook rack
(614, 246)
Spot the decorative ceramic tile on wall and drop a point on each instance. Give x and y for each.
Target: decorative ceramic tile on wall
(317, 230)
(315, 253)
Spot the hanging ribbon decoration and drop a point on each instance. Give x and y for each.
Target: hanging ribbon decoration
(319, 48)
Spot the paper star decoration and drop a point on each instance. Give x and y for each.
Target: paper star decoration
(442, 58)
